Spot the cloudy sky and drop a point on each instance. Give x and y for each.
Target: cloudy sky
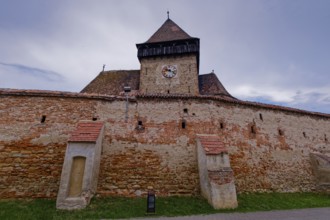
(271, 51)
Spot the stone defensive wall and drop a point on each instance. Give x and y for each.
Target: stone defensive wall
(269, 146)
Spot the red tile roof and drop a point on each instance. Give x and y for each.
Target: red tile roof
(86, 132)
(212, 144)
(169, 31)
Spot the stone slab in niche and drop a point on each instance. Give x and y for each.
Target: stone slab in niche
(215, 174)
(81, 166)
(321, 169)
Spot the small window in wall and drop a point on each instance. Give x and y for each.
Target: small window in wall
(94, 119)
(183, 124)
(260, 116)
(253, 129)
(188, 89)
(185, 110)
(146, 71)
(280, 132)
(168, 91)
(325, 138)
(222, 126)
(140, 125)
(304, 134)
(43, 119)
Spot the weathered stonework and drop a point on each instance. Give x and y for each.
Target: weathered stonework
(215, 174)
(162, 154)
(31, 152)
(185, 82)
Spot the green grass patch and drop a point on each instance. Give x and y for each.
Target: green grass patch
(281, 201)
(114, 207)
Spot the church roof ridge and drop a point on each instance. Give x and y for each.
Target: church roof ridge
(113, 82)
(209, 84)
(169, 31)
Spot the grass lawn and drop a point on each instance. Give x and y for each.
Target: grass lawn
(111, 207)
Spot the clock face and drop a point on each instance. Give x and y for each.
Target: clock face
(169, 71)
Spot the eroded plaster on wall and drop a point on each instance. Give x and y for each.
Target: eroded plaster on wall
(162, 154)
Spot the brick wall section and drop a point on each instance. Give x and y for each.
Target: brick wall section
(31, 152)
(160, 153)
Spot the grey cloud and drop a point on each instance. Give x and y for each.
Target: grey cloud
(310, 101)
(273, 47)
(35, 72)
(310, 96)
(326, 99)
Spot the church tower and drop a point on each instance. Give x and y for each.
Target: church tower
(169, 62)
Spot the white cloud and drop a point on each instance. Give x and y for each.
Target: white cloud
(312, 99)
(248, 92)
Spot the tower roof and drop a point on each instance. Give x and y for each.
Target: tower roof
(169, 39)
(169, 31)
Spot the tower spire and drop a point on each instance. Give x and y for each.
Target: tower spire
(168, 14)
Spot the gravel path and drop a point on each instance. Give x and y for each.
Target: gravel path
(298, 214)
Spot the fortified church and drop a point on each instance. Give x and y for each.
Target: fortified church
(164, 127)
